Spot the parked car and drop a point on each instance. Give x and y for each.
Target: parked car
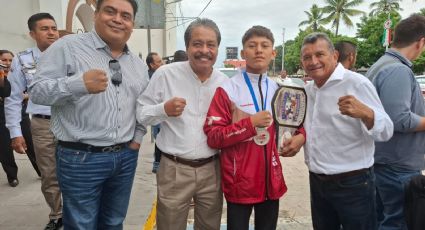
(298, 81)
(421, 80)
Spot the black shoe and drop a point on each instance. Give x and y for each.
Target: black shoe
(54, 224)
(14, 183)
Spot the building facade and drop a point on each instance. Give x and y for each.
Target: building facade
(76, 16)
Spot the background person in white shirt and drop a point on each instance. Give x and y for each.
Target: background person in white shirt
(178, 97)
(33, 137)
(344, 117)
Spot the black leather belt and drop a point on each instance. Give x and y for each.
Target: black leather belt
(193, 163)
(41, 116)
(92, 148)
(339, 176)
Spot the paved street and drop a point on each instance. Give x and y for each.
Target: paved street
(24, 208)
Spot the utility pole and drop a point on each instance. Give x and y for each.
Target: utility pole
(148, 13)
(283, 49)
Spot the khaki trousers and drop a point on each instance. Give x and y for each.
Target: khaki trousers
(45, 150)
(178, 184)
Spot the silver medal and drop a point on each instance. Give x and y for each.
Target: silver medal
(262, 137)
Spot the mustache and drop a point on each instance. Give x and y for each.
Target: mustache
(314, 67)
(203, 55)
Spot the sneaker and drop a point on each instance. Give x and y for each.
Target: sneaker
(14, 183)
(155, 167)
(54, 224)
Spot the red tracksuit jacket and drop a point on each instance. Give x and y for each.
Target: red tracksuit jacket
(250, 173)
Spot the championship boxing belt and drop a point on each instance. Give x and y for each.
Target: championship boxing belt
(289, 106)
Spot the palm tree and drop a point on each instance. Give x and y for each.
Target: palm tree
(315, 18)
(341, 10)
(384, 6)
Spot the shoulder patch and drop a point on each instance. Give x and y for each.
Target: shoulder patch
(211, 119)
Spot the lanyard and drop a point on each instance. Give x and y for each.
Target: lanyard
(251, 90)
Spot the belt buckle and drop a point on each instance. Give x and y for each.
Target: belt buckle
(115, 148)
(107, 149)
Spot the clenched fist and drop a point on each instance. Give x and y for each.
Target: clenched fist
(175, 106)
(95, 81)
(261, 119)
(292, 146)
(350, 106)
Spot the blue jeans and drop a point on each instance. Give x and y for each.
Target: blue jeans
(155, 130)
(95, 187)
(390, 187)
(347, 202)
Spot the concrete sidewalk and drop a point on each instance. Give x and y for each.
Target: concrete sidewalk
(24, 208)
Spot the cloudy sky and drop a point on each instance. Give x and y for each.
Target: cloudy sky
(234, 17)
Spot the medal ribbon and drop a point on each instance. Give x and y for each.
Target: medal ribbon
(251, 90)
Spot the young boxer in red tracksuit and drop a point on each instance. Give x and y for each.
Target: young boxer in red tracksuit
(239, 122)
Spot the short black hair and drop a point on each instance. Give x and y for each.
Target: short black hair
(259, 31)
(6, 52)
(180, 55)
(313, 37)
(32, 21)
(149, 59)
(132, 2)
(345, 48)
(409, 30)
(205, 22)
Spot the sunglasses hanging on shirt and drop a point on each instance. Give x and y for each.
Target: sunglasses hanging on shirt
(115, 67)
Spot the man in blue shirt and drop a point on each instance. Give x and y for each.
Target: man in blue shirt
(92, 89)
(44, 32)
(402, 157)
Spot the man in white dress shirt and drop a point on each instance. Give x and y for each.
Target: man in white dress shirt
(178, 97)
(344, 118)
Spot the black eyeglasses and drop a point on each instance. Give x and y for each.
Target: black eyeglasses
(115, 67)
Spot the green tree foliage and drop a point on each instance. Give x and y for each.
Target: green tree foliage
(293, 49)
(315, 18)
(419, 64)
(384, 6)
(229, 66)
(368, 39)
(369, 32)
(338, 10)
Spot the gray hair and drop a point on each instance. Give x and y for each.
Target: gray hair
(313, 37)
(205, 22)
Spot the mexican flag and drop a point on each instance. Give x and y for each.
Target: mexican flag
(386, 37)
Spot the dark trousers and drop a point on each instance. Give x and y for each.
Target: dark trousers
(157, 154)
(7, 158)
(348, 202)
(266, 214)
(391, 182)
